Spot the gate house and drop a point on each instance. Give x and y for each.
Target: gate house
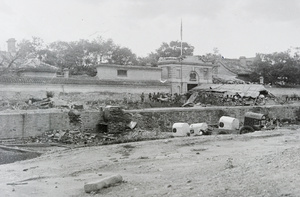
(186, 73)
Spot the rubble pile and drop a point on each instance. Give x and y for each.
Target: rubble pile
(77, 137)
(67, 137)
(41, 103)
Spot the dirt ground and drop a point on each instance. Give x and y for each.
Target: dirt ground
(263, 163)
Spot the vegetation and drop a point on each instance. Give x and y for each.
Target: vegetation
(82, 57)
(277, 68)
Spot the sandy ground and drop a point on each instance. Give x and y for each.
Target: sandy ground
(263, 163)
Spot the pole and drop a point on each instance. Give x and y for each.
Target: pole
(181, 56)
(181, 38)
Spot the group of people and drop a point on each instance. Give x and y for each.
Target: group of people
(161, 97)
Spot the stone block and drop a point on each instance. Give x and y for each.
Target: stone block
(103, 183)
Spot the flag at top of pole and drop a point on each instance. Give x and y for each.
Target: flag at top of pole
(181, 38)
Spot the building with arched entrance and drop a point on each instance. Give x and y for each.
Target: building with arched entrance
(186, 73)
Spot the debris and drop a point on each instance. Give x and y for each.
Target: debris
(103, 183)
(143, 157)
(17, 183)
(19, 150)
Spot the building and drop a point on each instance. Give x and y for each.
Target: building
(233, 70)
(128, 73)
(35, 68)
(186, 73)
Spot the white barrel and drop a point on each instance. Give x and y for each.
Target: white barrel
(180, 129)
(198, 128)
(229, 123)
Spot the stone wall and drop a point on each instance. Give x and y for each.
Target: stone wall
(32, 123)
(163, 119)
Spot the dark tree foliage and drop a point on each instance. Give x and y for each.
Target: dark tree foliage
(172, 49)
(277, 68)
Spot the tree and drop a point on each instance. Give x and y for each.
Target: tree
(24, 50)
(174, 49)
(150, 60)
(123, 56)
(276, 67)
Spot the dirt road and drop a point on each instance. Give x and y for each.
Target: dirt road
(258, 164)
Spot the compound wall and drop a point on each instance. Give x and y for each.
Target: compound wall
(33, 123)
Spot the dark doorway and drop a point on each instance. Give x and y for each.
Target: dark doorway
(191, 86)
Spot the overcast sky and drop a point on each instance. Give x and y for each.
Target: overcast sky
(236, 27)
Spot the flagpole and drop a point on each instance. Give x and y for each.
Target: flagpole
(181, 56)
(181, 38)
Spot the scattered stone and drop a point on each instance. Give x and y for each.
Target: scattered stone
(143, 157)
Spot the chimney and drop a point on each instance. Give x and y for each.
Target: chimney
(11, 45)
(243, 61)
(261, 80)
(66, 73)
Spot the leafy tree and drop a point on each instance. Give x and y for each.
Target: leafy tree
(174, 49)
(24, 50)
(150, 60)
(123, 56)
(276, 67)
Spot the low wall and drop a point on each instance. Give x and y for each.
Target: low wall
(33, 123)
(77, 92)
(163, 119)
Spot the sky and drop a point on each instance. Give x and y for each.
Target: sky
(235, 27)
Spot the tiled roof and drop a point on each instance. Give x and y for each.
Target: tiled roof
(187, 60)
(76, 81)
(235, 66)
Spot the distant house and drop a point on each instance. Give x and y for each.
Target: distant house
(233, 70)
(186, 73)
(36, 68)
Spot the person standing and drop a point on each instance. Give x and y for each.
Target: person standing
(150, 96)
(142, 97)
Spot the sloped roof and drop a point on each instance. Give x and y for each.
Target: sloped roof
(235, 66)
(247, 90)
(186, 60)
(35, 65)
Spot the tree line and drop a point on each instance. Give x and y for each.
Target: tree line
(82, 56)
(280, 68)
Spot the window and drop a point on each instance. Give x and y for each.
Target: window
(122, 73)
(178, 73)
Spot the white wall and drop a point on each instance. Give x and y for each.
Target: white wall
(133, 73)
